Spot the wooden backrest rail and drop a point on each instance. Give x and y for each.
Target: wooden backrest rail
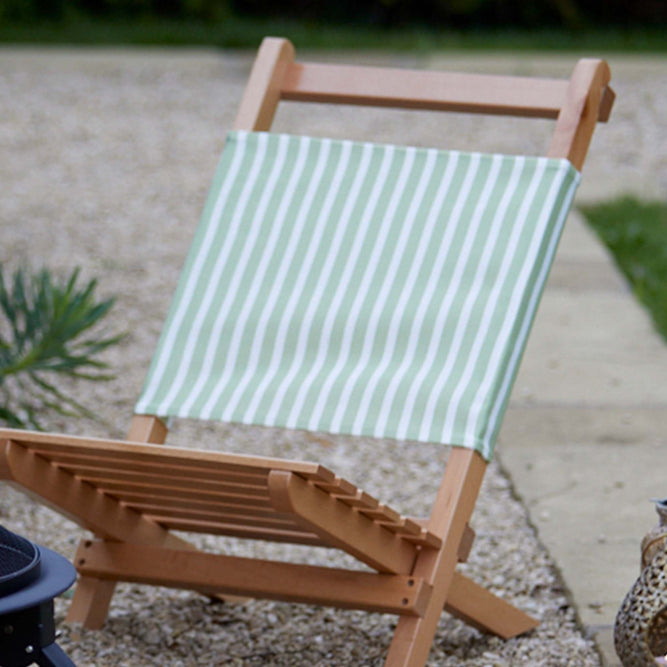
(431, 90)
(577, 104)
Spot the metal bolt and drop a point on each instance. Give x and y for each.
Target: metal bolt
(29, 649)
(8, 629)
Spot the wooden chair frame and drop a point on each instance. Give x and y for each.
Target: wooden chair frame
(130, 494)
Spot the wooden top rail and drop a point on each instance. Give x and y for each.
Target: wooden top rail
(436, 91)
(431, 90)
(576, 104)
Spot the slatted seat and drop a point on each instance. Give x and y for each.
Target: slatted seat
(337, 286)
(211, 492)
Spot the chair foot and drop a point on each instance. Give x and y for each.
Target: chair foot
(485, 611)
(90, 604)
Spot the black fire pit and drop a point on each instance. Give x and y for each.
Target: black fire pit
(30, 577)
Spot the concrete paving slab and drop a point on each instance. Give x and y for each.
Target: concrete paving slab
(587, 487)
(592, 350)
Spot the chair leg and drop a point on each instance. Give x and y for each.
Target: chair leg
(413, 636)
(452, 510)
(90, 604)
(485, 611)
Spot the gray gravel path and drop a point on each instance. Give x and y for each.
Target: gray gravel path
(106, 159)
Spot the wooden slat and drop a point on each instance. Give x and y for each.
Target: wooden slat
(94, 475)
(214, 511)
(238, 515)
(77, 462)
(193, 500)
(123, 490)
(397, 594)
(295, 536)
(158, 455)
(118, 487)
(426, 539)
(404, 527)
(360, 499)
(339, 488)
(412, 89)
(381, 514)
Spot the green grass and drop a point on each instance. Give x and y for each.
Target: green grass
(235, 32)
(636, 234)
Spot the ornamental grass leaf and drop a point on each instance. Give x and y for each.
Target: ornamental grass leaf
(47, 330)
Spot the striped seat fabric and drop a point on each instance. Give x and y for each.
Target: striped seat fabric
(358, 288)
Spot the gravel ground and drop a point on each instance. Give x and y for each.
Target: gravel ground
(106, 161)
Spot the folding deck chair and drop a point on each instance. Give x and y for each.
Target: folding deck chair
(343, 287)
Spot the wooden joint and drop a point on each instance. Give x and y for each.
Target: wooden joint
(262, 92)
(588, 98)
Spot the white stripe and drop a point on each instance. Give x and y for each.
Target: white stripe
(172, 333)
(341, 229)
(315, 301)
(391, 272)
(433, 219)
(365, 223)
(436, 336)
(466, 311)
(269, 252)
(213, 286)
(519, 343)
(428, 176)
(305, 264)
(250, 298)
(483, 330)
(322, 222)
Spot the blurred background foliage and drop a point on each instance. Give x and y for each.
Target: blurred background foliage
(456, 14)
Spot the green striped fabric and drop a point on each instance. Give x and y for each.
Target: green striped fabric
(358, 288)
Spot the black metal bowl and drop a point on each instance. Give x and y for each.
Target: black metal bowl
(20, 562)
